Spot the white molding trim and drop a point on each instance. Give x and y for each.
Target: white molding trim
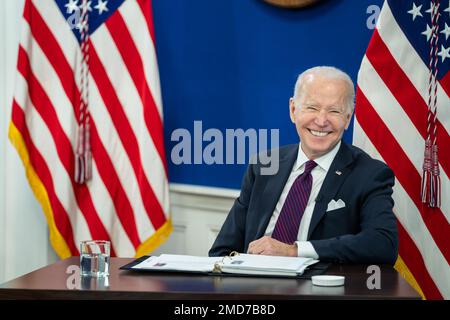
(202, 190)
(201, 197)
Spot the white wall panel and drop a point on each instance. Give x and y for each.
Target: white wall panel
(24, 244)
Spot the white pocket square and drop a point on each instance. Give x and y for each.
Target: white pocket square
(334, 205)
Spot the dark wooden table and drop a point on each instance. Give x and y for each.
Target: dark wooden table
(61, 281)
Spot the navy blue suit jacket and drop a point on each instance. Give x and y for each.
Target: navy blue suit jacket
(364, 231)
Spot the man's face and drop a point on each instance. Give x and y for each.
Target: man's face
(320, 115)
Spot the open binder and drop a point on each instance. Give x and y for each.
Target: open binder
(235, 264)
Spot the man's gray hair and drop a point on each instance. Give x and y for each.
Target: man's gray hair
(327, 73)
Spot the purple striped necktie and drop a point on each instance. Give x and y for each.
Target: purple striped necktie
(286, 228)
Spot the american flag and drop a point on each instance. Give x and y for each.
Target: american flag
(126, 200)
(394, 95)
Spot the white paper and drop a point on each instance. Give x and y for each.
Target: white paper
(178, 263)
(266, 264)
(239, 264)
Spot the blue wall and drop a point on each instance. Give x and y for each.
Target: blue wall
(233, 64)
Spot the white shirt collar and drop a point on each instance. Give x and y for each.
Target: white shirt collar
(323, 162)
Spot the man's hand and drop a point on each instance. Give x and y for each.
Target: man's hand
(271, 247)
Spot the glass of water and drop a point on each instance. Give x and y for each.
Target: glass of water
(94, 258)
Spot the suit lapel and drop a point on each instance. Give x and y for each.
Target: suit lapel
(274, 185)
(338, 172)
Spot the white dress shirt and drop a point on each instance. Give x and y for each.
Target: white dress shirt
(305, 248)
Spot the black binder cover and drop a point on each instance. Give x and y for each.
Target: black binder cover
(313, 270)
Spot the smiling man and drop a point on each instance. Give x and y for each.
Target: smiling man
(329, 200)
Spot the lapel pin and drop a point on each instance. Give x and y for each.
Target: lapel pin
(338, 172)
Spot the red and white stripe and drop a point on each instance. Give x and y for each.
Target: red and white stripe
(127, 199)
(390, 124)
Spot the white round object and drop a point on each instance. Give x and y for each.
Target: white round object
(328, 281)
